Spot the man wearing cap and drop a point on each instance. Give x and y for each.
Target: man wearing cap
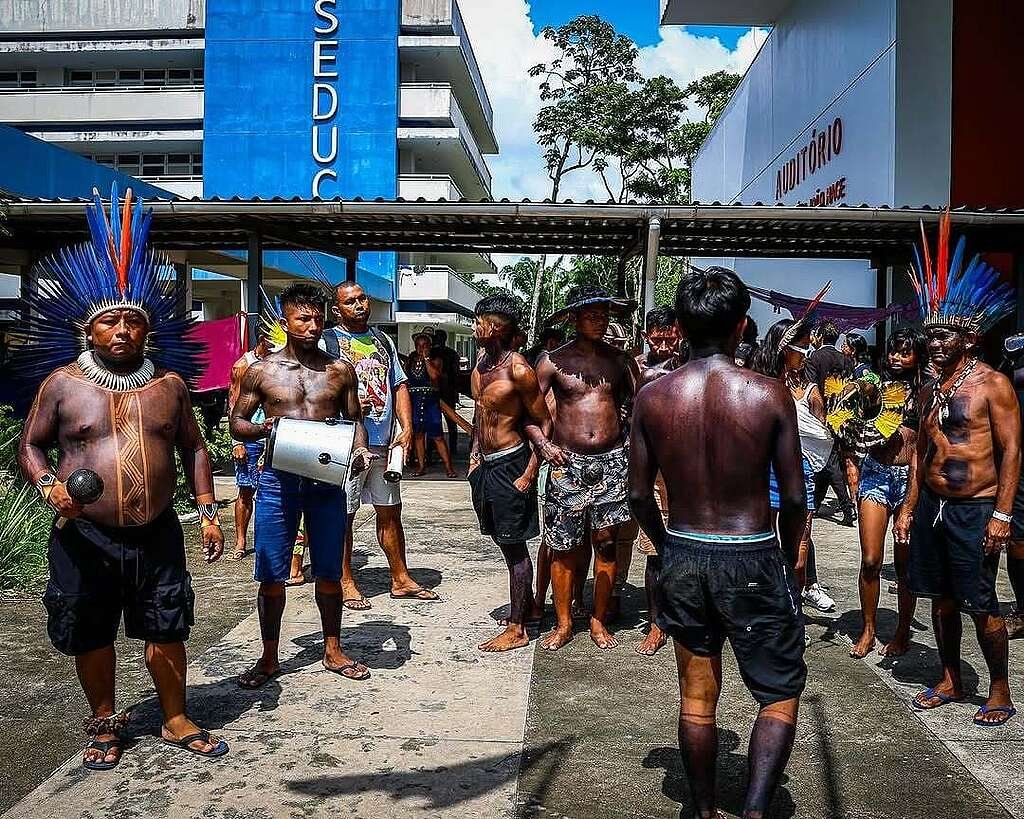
(592, 384)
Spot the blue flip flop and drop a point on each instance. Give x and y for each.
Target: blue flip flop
(932, 694)
(1009, 710)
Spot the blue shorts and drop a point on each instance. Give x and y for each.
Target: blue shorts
(882, 484)
(247, 473)
(281, 499)
(773, 486)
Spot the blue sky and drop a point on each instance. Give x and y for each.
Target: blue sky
(638, 18)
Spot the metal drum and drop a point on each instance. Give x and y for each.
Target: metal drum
(321, 450)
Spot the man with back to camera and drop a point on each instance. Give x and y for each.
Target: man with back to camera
(387, 414)
(592, 384)
(299, 381)
(713, 429)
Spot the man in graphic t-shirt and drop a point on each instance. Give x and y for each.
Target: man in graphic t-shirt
(387, 415)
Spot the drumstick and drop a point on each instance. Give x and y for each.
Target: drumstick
(451, 414)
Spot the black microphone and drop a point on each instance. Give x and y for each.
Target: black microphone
(83, 486)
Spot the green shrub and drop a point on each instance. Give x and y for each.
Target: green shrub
(218, 446)
(24, 532)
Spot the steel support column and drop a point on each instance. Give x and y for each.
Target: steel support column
(351, 260)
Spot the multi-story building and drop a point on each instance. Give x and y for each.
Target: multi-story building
(225, 98)
(877, 102)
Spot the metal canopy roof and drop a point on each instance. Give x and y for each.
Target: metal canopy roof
(517, 227)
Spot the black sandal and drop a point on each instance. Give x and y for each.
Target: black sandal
(185, 743)
(105, 747)
(341, 669)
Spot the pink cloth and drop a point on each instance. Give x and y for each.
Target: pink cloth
(223, 342)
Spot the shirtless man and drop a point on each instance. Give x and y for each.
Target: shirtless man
(958, 511)
(246, 456)
(117, 410)
(125, 552)
(502, 467)
(299, 381)
(663, 356)
(592, 384)
(713, 429)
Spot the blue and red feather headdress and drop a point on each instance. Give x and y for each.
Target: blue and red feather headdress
(115, 270)
(970, 298)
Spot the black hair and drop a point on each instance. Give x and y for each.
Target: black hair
(440, 337)
(750, 331)
(710, 304)
(303, 294)
(767, 359)
(908, 334)
(502, 304)
(827, 332)
(859, 345)
(663, 316)
(549, 333)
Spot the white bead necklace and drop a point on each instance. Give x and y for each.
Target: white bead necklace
(118, 382)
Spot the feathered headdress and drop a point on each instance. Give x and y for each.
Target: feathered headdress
(806, 321)
(967, 298)
(115, 270)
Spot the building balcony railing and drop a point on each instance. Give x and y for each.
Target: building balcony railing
(443, 17)
(72, 107)
(428, 186)
(424, 107)
(436, 283)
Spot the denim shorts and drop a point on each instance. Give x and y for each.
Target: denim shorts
(281, 499)
(247, 472)
(883, 484)
(773, 486)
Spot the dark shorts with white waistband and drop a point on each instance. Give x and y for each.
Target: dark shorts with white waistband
(1017, 527)
(743, 592)
(506, 514)
(947, 552)
(100, 573)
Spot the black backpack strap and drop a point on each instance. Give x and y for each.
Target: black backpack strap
(331, 344)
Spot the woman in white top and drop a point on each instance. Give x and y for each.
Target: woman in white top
(784, 359)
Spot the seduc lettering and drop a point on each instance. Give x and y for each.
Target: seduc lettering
(325, 93)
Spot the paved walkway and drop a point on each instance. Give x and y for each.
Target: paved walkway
(444, 730)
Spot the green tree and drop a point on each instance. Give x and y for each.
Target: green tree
(710, 93)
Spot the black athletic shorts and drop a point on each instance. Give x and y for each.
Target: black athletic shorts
(947, 552)
(505, 513)
(1017, 527)
(98, 573)
(710, 592)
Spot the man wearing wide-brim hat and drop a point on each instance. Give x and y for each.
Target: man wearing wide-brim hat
(592, 384)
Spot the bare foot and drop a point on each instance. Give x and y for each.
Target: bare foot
(600, 635)
(863, 646)
(1015, 625)
(556, 639)
(896, 647)
(654, 640)
(452, 473)
(512, 637)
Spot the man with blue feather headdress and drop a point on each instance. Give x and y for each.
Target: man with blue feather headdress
(958, 510)
(109, 336)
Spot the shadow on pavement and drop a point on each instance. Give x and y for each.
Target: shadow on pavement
(376, 580)
(442, 786)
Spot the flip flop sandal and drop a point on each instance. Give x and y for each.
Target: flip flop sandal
(932, 694)
(357, 604)
(238, 555)
(204, 736)
(105, 748)
(254, 678)
(431, 597)
(1009, 710)
(295, 581)
(340, 671)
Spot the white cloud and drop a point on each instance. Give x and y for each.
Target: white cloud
(506, 48)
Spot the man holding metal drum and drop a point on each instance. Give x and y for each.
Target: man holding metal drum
(301, 382)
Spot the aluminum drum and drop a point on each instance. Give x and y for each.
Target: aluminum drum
(321, 450)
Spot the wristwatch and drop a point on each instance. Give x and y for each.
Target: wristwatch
(45, 484)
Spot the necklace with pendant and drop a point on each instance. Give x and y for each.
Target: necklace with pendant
(117, 382)
(943, 399)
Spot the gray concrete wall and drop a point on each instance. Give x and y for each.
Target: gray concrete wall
(37, 16)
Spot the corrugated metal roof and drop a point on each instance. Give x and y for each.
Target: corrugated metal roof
(521, 227)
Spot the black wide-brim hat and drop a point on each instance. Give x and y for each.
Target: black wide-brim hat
(580, 297)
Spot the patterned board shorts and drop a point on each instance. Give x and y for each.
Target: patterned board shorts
(590, 488)
(882, 484)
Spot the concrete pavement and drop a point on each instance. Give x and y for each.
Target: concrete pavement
(443, 730)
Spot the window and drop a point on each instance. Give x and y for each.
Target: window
(132, 76)
(104, 79)
(80, 79)
(18, 79)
